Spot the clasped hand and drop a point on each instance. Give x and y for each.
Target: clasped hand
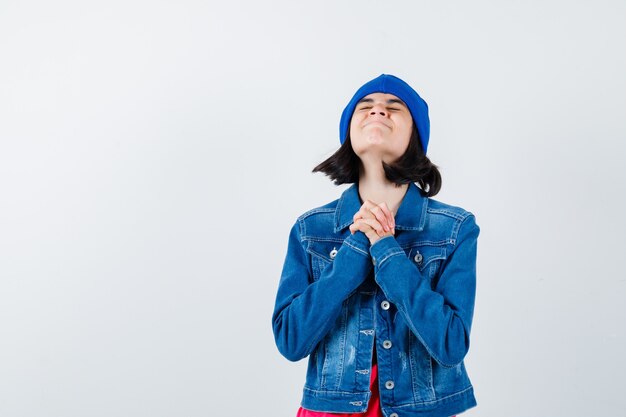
(375, 220)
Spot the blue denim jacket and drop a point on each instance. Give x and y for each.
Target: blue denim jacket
(409, 296)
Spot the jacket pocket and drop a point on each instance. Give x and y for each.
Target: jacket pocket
(428, 259)
(322, 254)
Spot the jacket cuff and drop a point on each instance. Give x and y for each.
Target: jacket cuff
(359, 242)
(383, 249)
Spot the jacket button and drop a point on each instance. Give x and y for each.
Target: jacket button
(393, 415)
(387, 344)
(418, 257)
(385, 305)
(389, 384)
(333, 253)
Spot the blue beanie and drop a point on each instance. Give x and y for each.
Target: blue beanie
(390, 84)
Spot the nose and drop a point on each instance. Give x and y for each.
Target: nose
(378, 109)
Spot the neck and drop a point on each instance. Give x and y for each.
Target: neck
(374, 186)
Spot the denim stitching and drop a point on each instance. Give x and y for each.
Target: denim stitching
(380, 262)
(302, 224)
(315, 211)
(441, 255)
(346, 393)
(319, 255)
(432, 379)
(338, 217)
(411, 368)
(448, 213)
(457, 227)
(425, 243)
(431, 259)
(366, 254)
(321, 239)
(323, 382)
(437, 400)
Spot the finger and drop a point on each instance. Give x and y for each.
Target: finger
(381, 217)
(392, 221)
(369, 204)
(357, 225)
(374, 224)
(382, 213)
(364, 211)
(368, 230)
(361, 214)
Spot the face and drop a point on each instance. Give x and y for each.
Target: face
(380, 128)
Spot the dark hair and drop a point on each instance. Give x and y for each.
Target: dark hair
(343, 167)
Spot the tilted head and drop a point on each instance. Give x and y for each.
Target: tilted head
(389, 84)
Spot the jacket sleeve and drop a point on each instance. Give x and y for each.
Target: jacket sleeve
(441, 319)
(305, 310)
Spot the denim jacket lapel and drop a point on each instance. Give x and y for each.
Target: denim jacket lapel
(411, 214)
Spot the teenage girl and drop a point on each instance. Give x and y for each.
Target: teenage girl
(378, 286)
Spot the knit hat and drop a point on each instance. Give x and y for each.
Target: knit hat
(390, 84)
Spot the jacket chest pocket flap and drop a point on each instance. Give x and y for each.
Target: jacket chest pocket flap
(427, 258)
(322, 254)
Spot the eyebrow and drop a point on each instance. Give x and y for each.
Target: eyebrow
(390, 101)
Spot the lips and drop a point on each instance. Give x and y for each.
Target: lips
(375, 121)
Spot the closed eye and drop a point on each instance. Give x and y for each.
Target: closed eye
(389, 108)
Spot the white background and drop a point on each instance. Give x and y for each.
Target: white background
(154, 154)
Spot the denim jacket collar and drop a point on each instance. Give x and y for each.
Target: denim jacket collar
(411, 214)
